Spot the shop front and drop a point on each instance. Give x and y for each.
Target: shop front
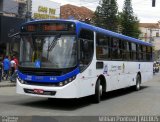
(9, 44)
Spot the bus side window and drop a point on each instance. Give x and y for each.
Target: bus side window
(133, 51)
(126, 50)
(140, 54)
(86, 46)
(144, 52)
(102, 47)
(149, 53)
(86, 49)
(115, 47)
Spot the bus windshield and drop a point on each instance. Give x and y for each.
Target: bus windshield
(56, 51)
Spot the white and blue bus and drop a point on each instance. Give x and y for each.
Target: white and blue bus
(72, 59)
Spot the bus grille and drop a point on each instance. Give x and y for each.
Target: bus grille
(31, 91)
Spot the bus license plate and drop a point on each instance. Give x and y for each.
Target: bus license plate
(38, 91)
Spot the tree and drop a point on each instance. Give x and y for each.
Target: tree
(106, 15)
(128, 21)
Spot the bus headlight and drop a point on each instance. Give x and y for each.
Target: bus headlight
(66, 81)
(60, 84)
(70, 80)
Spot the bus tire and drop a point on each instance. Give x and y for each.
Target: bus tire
(98, 92)
(138, 82)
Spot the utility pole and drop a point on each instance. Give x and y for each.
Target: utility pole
(151, 37)
(28, 12)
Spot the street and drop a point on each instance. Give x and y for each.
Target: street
(120, 102)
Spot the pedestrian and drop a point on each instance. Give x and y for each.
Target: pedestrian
(14, 69)
(1, 71)
(6, 67)
(13, 66)
(16, 61)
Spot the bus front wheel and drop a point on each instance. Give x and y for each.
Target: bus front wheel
(98, 92)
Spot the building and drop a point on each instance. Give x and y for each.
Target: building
(9, 25)
(8, 7)
(150, 32)
(74, 12)
(13, 13)
(45, 10)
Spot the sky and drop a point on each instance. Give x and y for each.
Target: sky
(142, 8)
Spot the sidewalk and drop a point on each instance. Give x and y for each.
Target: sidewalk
(7, 84)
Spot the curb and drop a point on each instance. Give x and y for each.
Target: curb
(8, 85)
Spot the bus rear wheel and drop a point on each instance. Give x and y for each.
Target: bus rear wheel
(138, 82)
(98, 92)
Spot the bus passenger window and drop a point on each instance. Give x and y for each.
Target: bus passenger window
(102, 47)
(144, 52)
(133, 51)
(149, 54)
(116, 52)
(126, 50)
(140, 54)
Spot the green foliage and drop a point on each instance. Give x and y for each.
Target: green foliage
(106, 15)
(128, 21)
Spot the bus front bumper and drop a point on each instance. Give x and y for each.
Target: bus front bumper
(67, 91)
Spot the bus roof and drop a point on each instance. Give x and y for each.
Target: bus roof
(80, 25)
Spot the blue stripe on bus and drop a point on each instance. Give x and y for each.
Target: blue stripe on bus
(48, 79)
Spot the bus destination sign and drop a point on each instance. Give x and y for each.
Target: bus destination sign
(55, 27)
(48, 27)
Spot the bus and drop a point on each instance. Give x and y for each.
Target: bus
(72, 59)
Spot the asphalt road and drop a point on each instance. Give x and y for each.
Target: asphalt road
(120, 102)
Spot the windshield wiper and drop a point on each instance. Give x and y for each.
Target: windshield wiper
(54, 42)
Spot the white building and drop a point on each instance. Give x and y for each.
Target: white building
(150, 32)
